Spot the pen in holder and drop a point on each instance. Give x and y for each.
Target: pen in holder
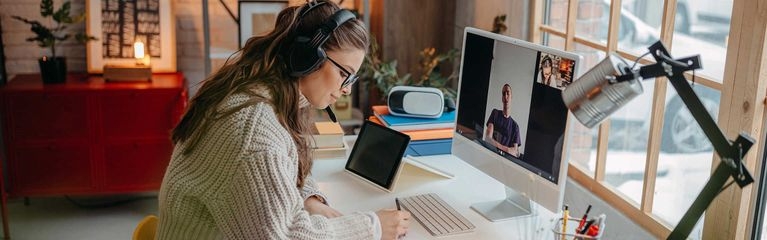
(572, 224)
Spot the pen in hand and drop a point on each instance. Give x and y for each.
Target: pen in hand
(396, 201)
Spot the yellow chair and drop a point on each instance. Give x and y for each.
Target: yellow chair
(146, 228)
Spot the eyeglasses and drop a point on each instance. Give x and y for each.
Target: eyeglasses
(350, 78)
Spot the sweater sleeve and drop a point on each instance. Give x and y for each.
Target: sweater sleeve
(260, 201)
(311, 189)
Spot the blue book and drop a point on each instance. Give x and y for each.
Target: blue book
(429, 147)
(447, 120)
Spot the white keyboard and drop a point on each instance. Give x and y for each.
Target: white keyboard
(436, 215)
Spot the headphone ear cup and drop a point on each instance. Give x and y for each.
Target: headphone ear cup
(303, 58)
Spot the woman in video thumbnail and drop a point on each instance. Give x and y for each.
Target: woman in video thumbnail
(547, 76)
(501, 129)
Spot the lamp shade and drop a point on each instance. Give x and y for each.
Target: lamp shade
(592, 97)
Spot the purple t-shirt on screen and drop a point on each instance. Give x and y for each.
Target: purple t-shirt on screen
(505, 130)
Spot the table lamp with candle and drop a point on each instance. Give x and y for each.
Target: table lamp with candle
(141, 70)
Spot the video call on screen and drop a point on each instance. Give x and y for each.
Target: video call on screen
(538, 115)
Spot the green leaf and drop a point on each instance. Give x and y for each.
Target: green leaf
(83, 38)
(46, 8)
(62, 15)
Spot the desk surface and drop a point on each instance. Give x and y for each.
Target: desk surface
(347, 193)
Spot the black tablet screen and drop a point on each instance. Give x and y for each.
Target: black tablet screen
(377, 154)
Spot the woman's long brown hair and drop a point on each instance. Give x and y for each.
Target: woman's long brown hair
(262, 62)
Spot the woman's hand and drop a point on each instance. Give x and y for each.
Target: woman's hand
(394, 223)
(314, 206)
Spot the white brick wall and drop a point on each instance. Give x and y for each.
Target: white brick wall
(21, 56)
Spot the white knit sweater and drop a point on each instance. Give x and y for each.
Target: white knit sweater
(240, 183)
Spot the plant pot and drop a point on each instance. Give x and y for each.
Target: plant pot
(53, 70)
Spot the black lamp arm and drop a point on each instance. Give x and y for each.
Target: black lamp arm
(731, 153)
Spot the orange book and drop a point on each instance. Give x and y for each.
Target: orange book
(420, 134)
(380, 109)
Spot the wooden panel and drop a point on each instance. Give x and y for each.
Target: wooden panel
(376, 20)
(744, 87)
(136, 165)
(77, 137)
(38, 116)
(138, 113)
(410, 26)
(83, 82)
(51, 169)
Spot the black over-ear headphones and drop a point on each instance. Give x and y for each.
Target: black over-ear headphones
(305, 54)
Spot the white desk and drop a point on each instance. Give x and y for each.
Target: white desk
(347, 194)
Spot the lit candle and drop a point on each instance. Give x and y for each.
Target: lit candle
(138, 50)
(138, 53)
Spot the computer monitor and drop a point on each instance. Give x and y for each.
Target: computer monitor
(511, 120)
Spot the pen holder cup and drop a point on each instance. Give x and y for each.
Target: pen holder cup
(569, 234)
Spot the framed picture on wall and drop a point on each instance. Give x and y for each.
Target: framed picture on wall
(119, 24)
(257, 17)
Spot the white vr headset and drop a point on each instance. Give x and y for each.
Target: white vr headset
(422, 102)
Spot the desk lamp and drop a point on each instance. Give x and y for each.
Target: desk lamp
(612, 83)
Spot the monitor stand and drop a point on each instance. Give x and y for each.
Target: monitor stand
(515, 205)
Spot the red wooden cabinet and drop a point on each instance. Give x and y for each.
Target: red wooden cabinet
(88, 136)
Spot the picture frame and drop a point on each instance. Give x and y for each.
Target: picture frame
(257, 17)
(154, 26)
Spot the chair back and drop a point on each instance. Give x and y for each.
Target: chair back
(146, 228)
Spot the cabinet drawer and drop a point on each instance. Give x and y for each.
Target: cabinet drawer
(50, 169)
(138, 166)
(138, 114)
(47, 116)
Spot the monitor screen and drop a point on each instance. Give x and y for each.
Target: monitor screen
(510, 101)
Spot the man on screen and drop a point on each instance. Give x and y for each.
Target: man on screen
(501, 130)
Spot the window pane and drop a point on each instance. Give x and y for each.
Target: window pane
(684, 163)
(639, 25)
(553, 41)
(592, 20)
(555, 14)
(703, 29)
(627, 144)
(584, 144)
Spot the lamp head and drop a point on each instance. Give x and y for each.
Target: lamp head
(596, 95)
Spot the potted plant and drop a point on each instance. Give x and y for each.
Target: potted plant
(382, 76)
(53, 69)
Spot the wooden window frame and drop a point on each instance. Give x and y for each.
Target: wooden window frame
(742, 109)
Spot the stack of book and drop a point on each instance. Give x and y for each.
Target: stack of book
(327, 140)
(428, 136)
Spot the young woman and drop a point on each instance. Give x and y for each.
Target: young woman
(240, 167)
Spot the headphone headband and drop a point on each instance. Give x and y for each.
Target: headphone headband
(327, 28)
(308, 7)
(306, 53)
